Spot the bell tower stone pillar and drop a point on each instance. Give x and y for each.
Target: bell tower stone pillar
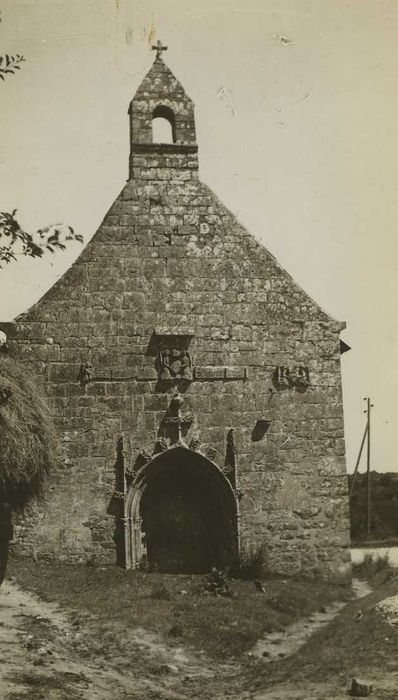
(161, 96)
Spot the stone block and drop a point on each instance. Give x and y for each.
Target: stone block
(236, 373)
(209, 373)
(360, 688)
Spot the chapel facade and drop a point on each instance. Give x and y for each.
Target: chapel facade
(195, 387)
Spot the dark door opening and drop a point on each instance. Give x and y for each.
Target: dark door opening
(187, 519)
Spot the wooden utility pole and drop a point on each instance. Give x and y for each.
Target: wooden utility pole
(369, 406)
(354, 476)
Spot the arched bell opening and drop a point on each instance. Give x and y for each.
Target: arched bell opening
(182, 515)
(163, 125)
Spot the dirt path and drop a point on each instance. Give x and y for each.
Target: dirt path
(384, 682)
(41, 654)
(35, 662)
(48, 654)
(288, 641)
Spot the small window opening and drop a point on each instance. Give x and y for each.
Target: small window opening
(163, 125)
(260, 429)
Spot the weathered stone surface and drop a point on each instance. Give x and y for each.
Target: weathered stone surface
(360, 688)
(170, 256)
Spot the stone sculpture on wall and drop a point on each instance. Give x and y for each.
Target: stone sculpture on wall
(175, 363)
(174, 424)
(194, 445)
(286, 377)
(161, 445)
(230, 458)
(85, 374)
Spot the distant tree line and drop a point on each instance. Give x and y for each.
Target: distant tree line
(384, 506)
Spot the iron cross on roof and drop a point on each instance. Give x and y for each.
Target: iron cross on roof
(159, 48)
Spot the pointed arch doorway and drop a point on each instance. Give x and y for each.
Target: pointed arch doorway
(181, 515)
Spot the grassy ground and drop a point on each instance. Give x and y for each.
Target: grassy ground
(40, 686)
(349, 646)
(175, 607)
(110, 604)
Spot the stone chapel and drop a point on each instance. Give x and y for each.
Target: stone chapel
(195, 387)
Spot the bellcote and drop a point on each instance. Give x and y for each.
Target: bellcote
(169, 152)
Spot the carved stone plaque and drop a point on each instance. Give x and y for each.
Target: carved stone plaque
(292, 376)
(174, 363)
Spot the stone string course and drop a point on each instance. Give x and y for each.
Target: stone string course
(169, 254)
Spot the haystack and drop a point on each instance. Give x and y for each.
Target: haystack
(27, 444)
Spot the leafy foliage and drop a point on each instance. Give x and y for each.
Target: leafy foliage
(14, 240)
(10, 64)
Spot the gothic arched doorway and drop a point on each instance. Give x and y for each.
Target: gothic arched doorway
(182, 514)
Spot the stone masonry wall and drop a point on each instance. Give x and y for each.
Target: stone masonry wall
(170, 260)
(183, 260)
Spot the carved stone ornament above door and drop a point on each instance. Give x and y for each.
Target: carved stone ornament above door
(174, 360)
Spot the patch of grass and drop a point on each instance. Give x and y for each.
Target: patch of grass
(160, 592)
(120, 601)
(38, 685)
(349, 646)
(27, 694)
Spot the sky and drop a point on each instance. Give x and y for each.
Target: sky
(296, 104)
